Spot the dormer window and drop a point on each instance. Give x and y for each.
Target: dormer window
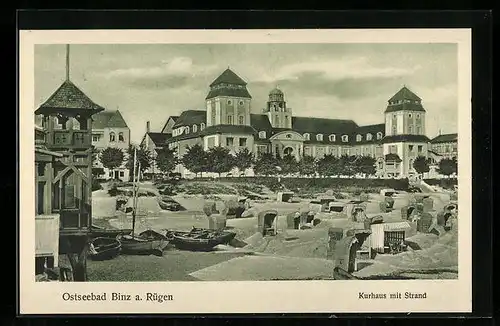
(202, 126)
(359, 138)
(262, 134)
(379, 135)
(369, 136)
(195, 128)
(306, 136)
(331, 138)
(345, 138)
(120, 137)
(112, 136)
(319, 137)
(187, 130)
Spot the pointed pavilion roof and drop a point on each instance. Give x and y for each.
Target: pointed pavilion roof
(68, 97)
(228, 77)
(405, 94)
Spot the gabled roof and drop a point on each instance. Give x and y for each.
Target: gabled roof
(404, 94)
(172, 117)
(108, 119)
(324, 126)
(228, 77)
(69, 97)
(190, 117)
(158, 138)
(445, 138)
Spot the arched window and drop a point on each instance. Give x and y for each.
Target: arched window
(319, 137)
(187, 130)
(241, 120)
(359, 138)
(120, 137)
(288, 136)
(306, 136)
(195, 128)
(369, 136)
(262, 134)
(229, 102)
(202, 126)
(345, 138)
(112, 136)
(331, 137)
(379, 135)
(229, 119)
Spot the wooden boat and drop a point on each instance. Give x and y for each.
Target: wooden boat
(103, 248)
(138, 245)
(98, 232)
(199, 239)
(151, 234)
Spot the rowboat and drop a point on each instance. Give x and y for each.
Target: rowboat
(103, 248)
(199, 239)
(97, 232)
(139, 245)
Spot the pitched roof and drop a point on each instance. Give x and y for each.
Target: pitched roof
(404, 106)
(445, 138)
(69, 97)
(159, 138)
(173, 117)
(405, 138)
(392, 157)
(190, 117)
(108, 119)
(324, 126)
(228, 77)
(368, 129)
(260, 122)
(228, 91)
(405, 94)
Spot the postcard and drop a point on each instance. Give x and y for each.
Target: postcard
(245, 171)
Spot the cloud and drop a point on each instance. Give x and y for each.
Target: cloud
(344, 68)
(174, 73)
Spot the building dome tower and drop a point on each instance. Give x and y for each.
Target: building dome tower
(279, 115)
(405, 138)
(228, 101)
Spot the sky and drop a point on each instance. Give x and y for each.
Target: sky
(336, 80)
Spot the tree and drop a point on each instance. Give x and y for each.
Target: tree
(307, 165)
(220, 160)
(328, 165)
(112, 158)
(447, 166)
(288, 164)
(195, 159)
(365, 165)
(165, 159)
(347, 165)
(265, 164)
(421, 165)
(144, 158)
(243, 159)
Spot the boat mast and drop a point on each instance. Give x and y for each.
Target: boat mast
(134, 192)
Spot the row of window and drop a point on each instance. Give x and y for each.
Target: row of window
(403, 101)
(187, 129)
(332, 138)
(112, 137)
(230, 141)
(230, 102)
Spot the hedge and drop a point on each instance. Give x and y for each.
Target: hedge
(295, 184)
(443, 183)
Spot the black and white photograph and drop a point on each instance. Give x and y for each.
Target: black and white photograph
(201, 163)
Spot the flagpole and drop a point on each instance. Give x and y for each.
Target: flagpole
(134, 192)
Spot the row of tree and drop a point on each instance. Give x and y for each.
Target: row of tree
(219, 160)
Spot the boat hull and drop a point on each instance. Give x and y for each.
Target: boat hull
(104, 249)
(199, 239)
(135, 245)
(98, 232)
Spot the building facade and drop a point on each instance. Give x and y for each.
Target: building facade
(109, 129)
(228, 121)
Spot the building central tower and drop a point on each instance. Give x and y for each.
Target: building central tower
(277, 112)
(228, 101)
